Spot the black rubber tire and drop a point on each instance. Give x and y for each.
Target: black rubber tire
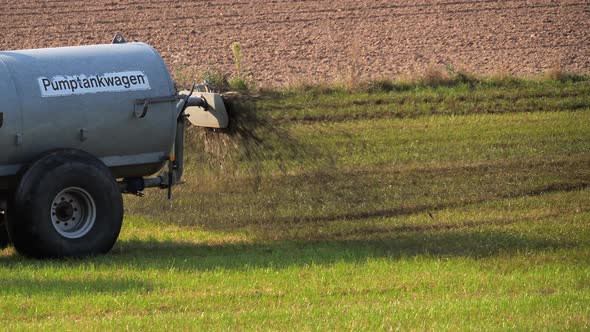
(4, 238)
(29, 224)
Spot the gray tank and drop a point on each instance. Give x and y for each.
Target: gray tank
(88, 98)
(80, 126)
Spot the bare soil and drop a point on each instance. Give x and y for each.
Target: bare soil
(291, 41)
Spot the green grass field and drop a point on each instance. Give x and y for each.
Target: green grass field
(400, 206)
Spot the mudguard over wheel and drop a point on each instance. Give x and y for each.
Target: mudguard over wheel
(67, 204)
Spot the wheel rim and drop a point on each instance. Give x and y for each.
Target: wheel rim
(73, 212)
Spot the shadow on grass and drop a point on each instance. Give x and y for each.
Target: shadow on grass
(464, 243)
(425, 208)
(467, 241)
(301, 241)
(30, 286)
(326, 197)
(281, 247)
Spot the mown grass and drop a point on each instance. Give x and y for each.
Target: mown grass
(446, 207)
(404, 100)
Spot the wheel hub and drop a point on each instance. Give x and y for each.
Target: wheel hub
(73, 212)
(64, 211)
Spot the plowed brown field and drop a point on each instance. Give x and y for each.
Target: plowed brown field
(304, 40)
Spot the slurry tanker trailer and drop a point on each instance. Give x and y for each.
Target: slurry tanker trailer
(80, 126)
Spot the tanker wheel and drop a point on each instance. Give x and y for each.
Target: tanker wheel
(4, 238)
(67, 204)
